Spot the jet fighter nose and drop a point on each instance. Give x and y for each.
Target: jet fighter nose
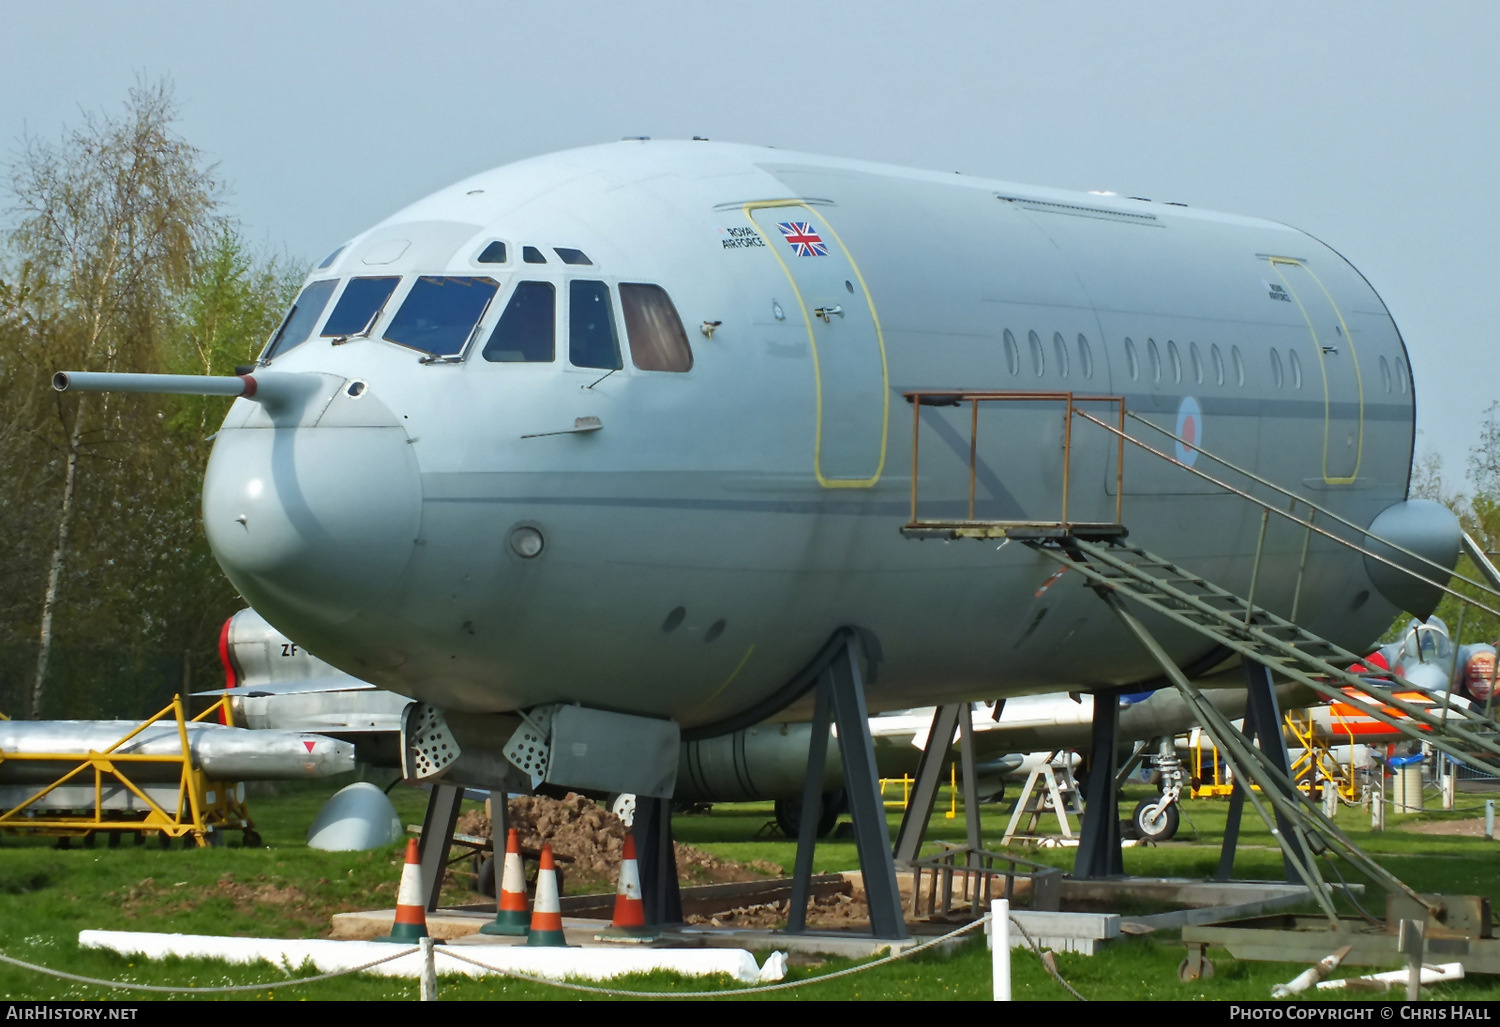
(315, 521)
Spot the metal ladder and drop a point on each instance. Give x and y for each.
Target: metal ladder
(1282, 646)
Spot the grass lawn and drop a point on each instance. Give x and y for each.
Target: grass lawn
(287, 890)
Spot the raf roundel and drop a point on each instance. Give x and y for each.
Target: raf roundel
(1189, 429)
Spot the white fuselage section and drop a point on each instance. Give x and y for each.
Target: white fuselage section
(704, 531)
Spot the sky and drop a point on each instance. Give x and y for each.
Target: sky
(1372, 125)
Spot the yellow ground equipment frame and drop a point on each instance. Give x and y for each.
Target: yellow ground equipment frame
(202, 808)
(1316, 768)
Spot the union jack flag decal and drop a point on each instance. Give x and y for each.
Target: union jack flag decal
(803, 240)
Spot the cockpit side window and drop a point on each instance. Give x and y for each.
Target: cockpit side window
(591, 326)
(657, 339)
(359, 306)
(527, 331)
(440, 313)
(299, 322)
(494, 253)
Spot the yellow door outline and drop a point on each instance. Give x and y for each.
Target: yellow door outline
(1359, 385)
(885, 378)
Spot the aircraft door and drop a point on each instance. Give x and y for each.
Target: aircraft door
(1343, 390)
(853, 394)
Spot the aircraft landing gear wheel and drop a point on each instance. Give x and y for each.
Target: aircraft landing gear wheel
(1185, 970)
(484, 876)
(789, 814)
(1159, 828)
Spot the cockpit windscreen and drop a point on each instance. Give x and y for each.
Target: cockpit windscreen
(440, 313)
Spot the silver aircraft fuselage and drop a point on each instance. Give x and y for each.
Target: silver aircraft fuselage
(703, 532)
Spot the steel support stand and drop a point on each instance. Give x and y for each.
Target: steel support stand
(1099, 838)
(971, 780)
(438, 824)
(656, 858)
(1262, 725)
(924, 791)
(841, 692)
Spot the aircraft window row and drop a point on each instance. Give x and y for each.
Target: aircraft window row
(497, 253)
(440, 313)
(361, 303)
(1060, 354)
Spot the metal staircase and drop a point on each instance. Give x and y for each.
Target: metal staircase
(1129, 579)
(1283, 647)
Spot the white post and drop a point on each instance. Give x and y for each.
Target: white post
(1000, 948)
(1489, 819)
(1377, 802)
(429, 971)
(1330, 798)
(1450, 784)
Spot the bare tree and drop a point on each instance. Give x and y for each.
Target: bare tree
(110, 222)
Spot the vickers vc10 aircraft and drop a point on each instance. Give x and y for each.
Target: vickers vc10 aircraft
(605, 445)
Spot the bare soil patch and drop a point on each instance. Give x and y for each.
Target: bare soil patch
(1458, 828)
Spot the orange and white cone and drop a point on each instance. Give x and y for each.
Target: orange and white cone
(546, 912)
(411, 908)
(511, 916)
(630, 910)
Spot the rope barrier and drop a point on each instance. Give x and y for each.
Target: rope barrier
(565, 985)
(199, 991)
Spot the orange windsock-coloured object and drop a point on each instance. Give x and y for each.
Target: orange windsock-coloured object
(511, 915)
(411, 908)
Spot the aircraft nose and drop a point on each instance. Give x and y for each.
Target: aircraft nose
(314, 522)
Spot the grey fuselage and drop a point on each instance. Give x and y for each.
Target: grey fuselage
(704, 541)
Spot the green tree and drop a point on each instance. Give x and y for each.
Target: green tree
(118, 260)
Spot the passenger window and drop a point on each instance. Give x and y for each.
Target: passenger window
(1175, 359)
(1276, 378)
(1401, 375)
(1385, 375)
(568, 256)
(1239, 366)
(657, 339)
(1197, 362)
(301, 319)
(1061, 349)
(1132, 361)
(359, 306)
(1218, 364)
(532, 255)
(591, 327)
(494, 253)
(1291, 357)
(1038, 358)
(440, 313)
(1155, 358)
(1085, 357)
(527, 331)
(1012, 354)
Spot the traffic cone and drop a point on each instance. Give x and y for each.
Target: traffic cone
(411, 909)
(511, 917)
(546, 913)
(630, 911)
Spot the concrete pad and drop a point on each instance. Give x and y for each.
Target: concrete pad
(595, 962)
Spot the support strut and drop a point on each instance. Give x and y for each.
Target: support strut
(840, 692)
